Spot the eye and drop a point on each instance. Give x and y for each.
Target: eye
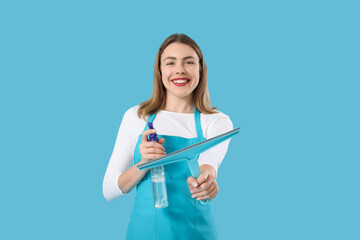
(190, 62)
(170, 63)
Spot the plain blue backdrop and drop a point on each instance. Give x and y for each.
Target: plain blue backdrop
(286, 72)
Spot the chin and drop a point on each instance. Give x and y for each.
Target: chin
(181, 95)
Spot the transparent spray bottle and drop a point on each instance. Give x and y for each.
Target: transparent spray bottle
(158, 179)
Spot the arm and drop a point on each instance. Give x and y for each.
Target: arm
(205, 186)
(120, 176)
(215, 155)
(121, 158)
(129, 179)
(148, 150)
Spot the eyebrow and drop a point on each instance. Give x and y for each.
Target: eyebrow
(183, 58)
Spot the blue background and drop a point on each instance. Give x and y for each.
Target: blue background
(286, 72)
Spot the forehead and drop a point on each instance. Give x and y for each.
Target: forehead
(178, 50)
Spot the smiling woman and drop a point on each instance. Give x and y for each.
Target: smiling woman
(180, 75)
(180, 109)
(179, 57)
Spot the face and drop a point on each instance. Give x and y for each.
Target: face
(180, 70)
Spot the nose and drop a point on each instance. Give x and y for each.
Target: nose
(180, 69)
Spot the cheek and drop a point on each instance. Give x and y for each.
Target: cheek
(165, 74)
(165, 80)
(197, 73)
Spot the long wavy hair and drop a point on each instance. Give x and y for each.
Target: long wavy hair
(200, 94)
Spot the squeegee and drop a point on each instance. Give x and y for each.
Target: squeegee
(190, 154)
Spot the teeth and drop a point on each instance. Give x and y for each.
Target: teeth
(180, 81)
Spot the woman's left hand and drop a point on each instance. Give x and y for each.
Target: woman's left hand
(205, 186)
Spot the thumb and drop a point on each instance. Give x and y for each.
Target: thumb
(161, 140)
(192, 182)
(146, 133)
(203, 176)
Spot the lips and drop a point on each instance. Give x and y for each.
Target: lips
(180, 82)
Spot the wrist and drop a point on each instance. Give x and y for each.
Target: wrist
(139, 163)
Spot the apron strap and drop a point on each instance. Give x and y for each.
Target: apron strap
(198, 123)
(151, 119)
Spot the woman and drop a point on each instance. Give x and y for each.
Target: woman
(181, 112)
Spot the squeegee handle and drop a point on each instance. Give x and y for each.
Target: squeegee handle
(195, 173)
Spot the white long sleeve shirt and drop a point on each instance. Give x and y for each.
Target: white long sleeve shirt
(165, 123)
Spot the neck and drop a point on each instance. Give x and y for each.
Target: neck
(179, 105)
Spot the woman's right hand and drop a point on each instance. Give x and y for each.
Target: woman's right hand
(150, 150)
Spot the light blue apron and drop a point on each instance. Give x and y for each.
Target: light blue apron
(184, 218)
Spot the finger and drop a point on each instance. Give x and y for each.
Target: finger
(204, 186)
(210, 196)
(205, 192)
(153, 150)
(151, 157)
(203, 177)
(192, 183)
(146, 133)
(153, 145)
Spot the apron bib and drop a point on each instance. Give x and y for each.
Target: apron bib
(184, 218)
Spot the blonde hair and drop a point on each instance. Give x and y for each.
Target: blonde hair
(158, 98)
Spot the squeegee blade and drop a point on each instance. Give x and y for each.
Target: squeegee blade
(189, 152)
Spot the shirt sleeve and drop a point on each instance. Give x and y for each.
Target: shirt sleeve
(214, 156)
(120, 160)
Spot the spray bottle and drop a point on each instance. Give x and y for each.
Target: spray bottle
(158, 179)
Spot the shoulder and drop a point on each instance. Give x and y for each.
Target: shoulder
(217, 123)
(131, 117)
(131, 124)
(216, 117)
(131, 111)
